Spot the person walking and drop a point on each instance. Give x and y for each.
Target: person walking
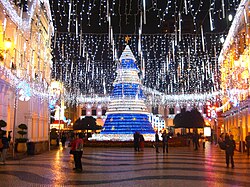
(136, 141)
(203, 141)
(5, 146)
(247, 139)
(73, 148)
(165, 138)
(196, 140)
(230, 146)
(142, 142)
(157, 140)
(63, 139)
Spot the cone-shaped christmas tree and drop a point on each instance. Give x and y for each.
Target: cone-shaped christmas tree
(127, 112)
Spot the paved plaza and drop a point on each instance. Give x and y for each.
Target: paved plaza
(182, 166)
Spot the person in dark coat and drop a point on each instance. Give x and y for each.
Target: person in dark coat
(157, 140)
(136, 141)
(165, 138)
(196, 140)
(141, 142)
(63, 139)
(230, 146)
(248, 143)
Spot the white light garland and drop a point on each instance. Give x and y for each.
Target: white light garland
(36, 89)
(155, 97)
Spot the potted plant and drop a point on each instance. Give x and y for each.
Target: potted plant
(22, 141)
(2, 124)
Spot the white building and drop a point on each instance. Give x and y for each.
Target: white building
(25, 69)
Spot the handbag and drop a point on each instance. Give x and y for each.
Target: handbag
(79, 147)
(222, 145)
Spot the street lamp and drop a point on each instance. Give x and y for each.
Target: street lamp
(22, 92)
(5, 48)
(7, 44)
(216, 131)
(14, 123)
(230, 17)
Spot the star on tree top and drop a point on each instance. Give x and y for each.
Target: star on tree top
(127, 38)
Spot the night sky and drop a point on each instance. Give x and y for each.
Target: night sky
(125, 15)
(83, 56)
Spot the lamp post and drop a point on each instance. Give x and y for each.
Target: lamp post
(59, 131)
(14, 123)
(240, 129)
(216, 131)
(22, 95)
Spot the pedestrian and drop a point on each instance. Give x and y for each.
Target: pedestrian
(189, 135)
(248, 143)
(73, 148)
(165, 138)
(203, 142)
(230, 146)
(141, 142)
(136, 141)
(5, 146)
(78, 152)
(196, 140)
(157, 140)
(63, 139)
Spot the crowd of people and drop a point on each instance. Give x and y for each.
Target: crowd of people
(228, 141)
(165, 137)
(139, 141)
(76, 142)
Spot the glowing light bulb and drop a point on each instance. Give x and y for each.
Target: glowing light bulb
(222, 40)
(230, 17)
(7, 44)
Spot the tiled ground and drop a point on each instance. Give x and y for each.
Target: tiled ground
(123, 167)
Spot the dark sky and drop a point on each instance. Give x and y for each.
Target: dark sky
(125, 15)
(89, 72)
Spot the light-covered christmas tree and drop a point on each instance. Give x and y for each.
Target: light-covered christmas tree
(127, 112)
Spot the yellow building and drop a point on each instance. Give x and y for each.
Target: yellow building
(25, 68)
(235, 71)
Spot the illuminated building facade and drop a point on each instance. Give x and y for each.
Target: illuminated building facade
(25, 68)
(235, 76)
